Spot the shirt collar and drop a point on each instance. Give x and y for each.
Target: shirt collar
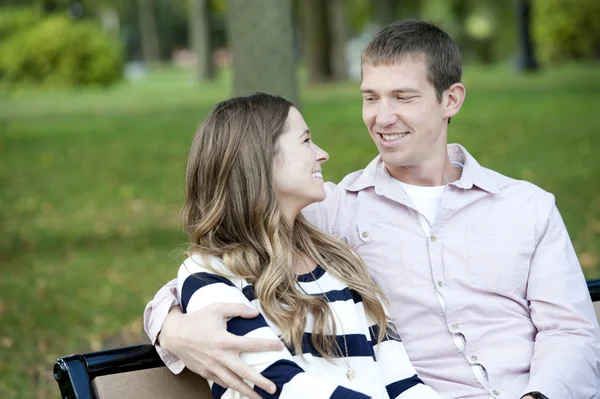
(473, 174)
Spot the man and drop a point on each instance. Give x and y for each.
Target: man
(486, 290)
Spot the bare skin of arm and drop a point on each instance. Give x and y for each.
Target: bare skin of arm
(202, 342)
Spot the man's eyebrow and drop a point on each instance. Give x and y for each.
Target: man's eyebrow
(400, 90)
(307, 131)
(405, 90)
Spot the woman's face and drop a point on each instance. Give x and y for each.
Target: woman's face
(297, 167)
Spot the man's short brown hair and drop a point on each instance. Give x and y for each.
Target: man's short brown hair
(417, 38)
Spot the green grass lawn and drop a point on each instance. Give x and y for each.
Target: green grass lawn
(92, 182)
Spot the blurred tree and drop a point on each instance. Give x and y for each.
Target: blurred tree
(484, 30)
(450, 15)
(384, 12)
(408, 9)
(199, 38)
(316, 47)
(526, 58)
(262, 47)
(566, 29)
(148, 31)
(359, 14)
(338, 27)
(79, 54)
(172, 20)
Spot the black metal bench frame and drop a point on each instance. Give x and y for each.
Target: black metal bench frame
(74, 373)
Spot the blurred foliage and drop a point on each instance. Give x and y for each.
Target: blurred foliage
(359, 14)
(566, 29)
(13, 20)
(483, 29)
(58, 51)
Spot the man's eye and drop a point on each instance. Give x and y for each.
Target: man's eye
(307, 140)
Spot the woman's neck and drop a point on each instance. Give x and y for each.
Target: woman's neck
(303, 264)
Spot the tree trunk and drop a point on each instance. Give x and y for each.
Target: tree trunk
(338, 24)
(148, 31)
(262, 47)
(199, 39)
(315, 39)
(526, 59)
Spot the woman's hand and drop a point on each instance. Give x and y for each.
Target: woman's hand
(202, 342)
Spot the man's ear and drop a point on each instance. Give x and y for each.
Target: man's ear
(453, 99)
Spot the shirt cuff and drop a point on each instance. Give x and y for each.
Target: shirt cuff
(173, 363)
(154, 316)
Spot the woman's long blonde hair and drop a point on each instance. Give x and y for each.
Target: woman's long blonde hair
(231, 212)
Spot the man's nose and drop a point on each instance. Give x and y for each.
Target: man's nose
(385, 115)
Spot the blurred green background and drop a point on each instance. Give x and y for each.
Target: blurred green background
(93, 150)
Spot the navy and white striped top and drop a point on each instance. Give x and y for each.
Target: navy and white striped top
(382, 370)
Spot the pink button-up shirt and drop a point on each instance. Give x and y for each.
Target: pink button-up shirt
(497, 270)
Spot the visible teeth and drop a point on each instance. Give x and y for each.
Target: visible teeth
(318, 175)
(391, 137)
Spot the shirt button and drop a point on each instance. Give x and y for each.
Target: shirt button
(495, 392)
(455, 326)
(433, 238)
(474, 358)
(365, 234)
(440, 283)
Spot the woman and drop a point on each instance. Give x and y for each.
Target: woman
(252, 168)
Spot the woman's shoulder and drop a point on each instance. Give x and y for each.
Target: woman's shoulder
(208, 267)
(196, 263)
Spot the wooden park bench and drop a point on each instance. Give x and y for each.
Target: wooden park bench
(136, 372)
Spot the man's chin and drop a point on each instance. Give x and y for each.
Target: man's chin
(394, 159)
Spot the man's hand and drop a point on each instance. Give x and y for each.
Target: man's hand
(200, 339)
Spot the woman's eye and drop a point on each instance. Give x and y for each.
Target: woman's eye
(307, 140)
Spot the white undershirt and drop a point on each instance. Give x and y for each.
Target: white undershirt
(428, 203)
(427, 200)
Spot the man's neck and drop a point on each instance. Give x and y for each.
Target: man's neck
(430, 174)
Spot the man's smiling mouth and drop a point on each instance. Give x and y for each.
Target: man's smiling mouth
(392, 137)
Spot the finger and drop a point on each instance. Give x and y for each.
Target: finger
(215, 379)
(245, 344)
(229, 310)
(232, 381)
(248, 374)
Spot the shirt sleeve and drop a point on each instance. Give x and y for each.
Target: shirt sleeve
(200, 288)
(566, 359)
(399, 376)
(154, 317)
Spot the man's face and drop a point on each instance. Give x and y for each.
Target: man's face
(402, 113)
